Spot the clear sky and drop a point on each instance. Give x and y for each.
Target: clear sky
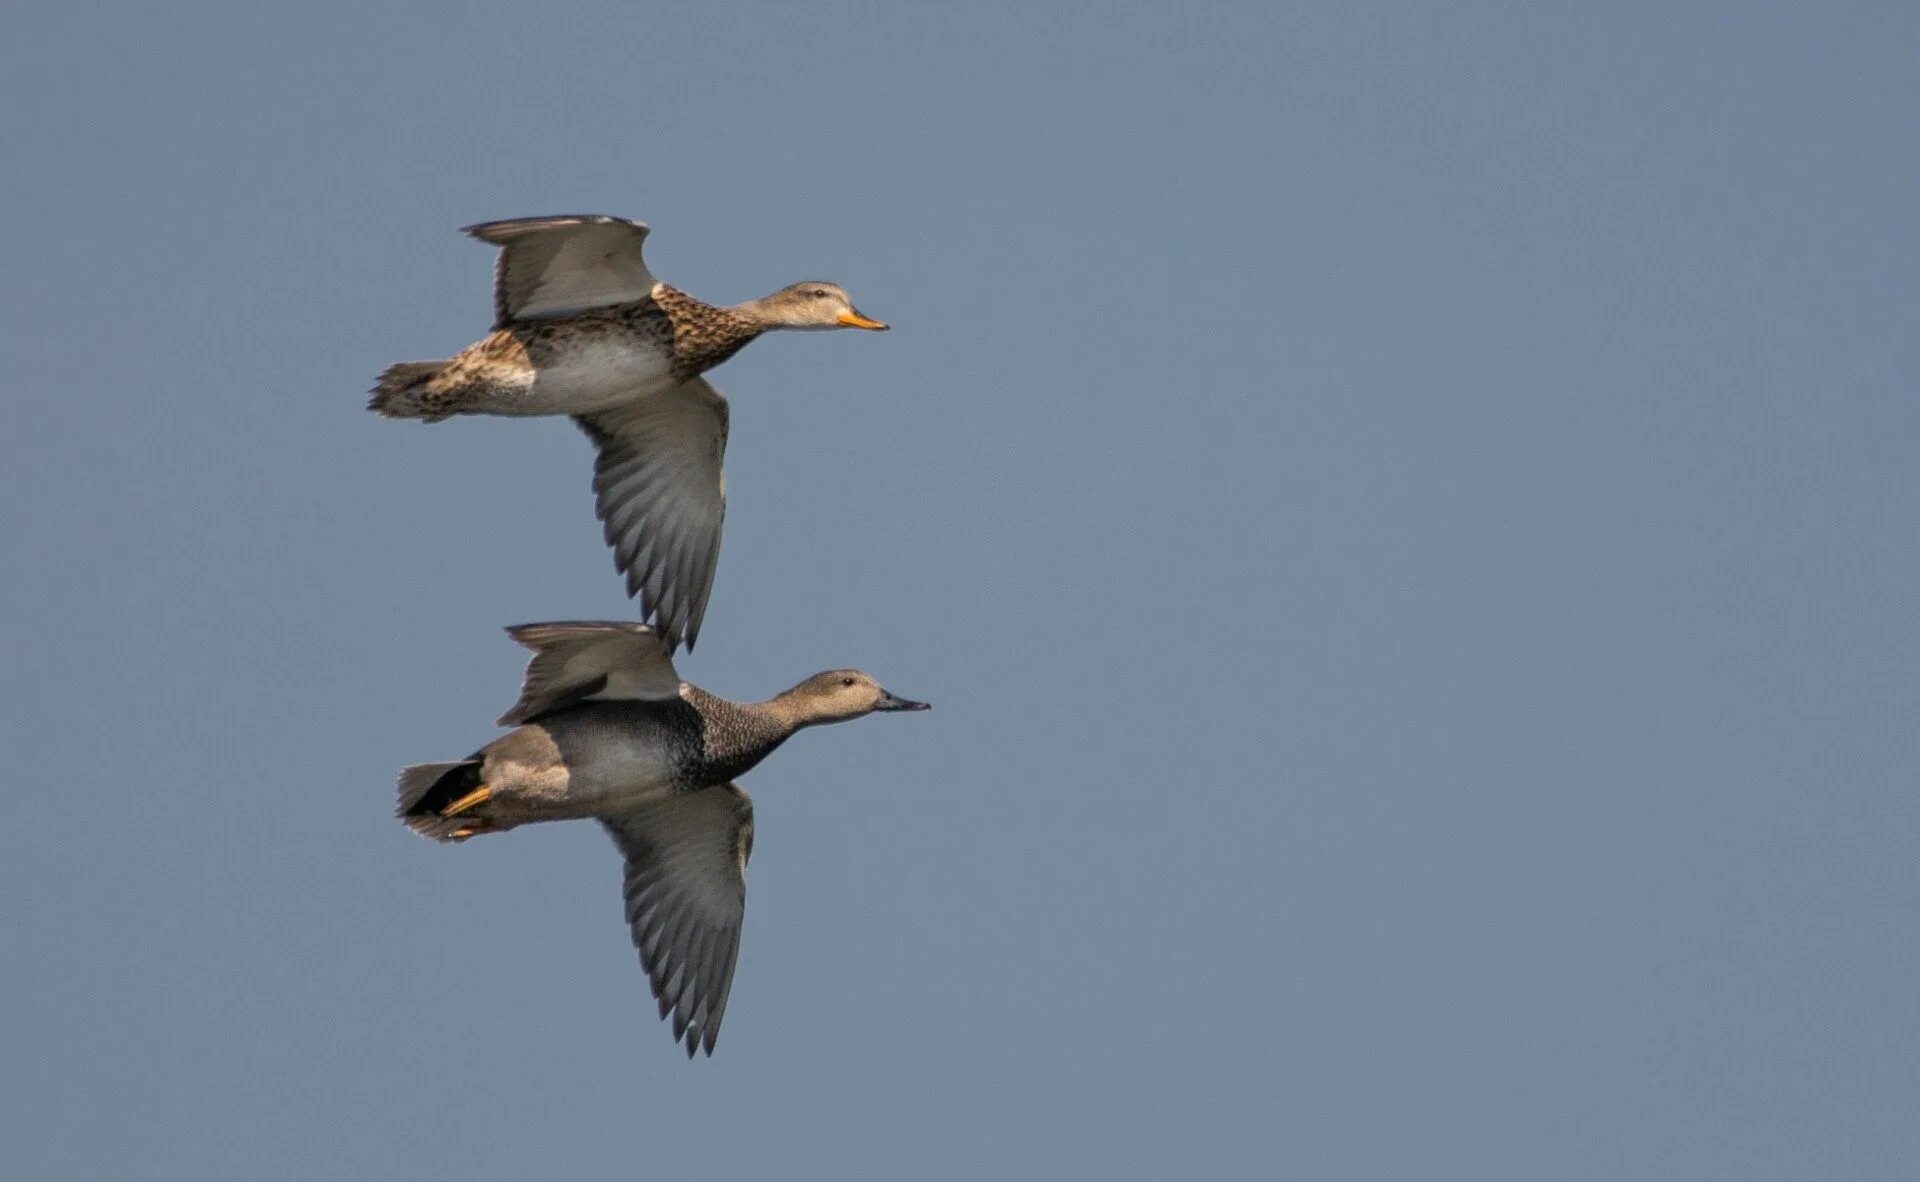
(1406, 515)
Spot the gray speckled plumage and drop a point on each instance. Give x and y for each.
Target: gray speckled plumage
(605, 729)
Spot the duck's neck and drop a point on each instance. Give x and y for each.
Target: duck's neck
(704, 334)
(736, 735)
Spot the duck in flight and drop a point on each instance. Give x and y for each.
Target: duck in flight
(582, 328)
(605, 729)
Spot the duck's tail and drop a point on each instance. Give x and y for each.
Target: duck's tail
(428, 790)
(401, 392)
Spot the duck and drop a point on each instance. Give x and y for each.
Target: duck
(582, 328)
(605, 730)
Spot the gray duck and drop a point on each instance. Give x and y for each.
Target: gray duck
(605, 729)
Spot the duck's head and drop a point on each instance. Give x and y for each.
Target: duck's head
(839, 695)
(810, 306)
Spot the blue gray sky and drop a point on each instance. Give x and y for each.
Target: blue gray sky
(1406, 516)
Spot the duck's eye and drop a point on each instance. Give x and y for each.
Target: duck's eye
(847, 681)
(818, 293)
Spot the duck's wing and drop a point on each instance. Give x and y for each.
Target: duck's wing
(590, 660)
(660, 488)
(686, 890)
(557, 265)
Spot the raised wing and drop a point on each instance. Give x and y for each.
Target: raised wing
(557, 265)
(660, 488)
(686, 890)
(590, 660)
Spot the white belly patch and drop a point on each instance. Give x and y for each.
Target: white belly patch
(597, 375)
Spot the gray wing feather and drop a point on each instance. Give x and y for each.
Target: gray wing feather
(659, 485)
(602, 660)
(686, 893)
(553, 266)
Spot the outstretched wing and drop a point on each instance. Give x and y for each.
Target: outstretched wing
(686, 890)
(556, 265)
(590, 660)
(660, 488)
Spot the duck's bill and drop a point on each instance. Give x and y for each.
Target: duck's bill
(891, 702)
(855, 320)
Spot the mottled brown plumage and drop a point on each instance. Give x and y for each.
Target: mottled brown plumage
(704, 335)
(582, 328)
